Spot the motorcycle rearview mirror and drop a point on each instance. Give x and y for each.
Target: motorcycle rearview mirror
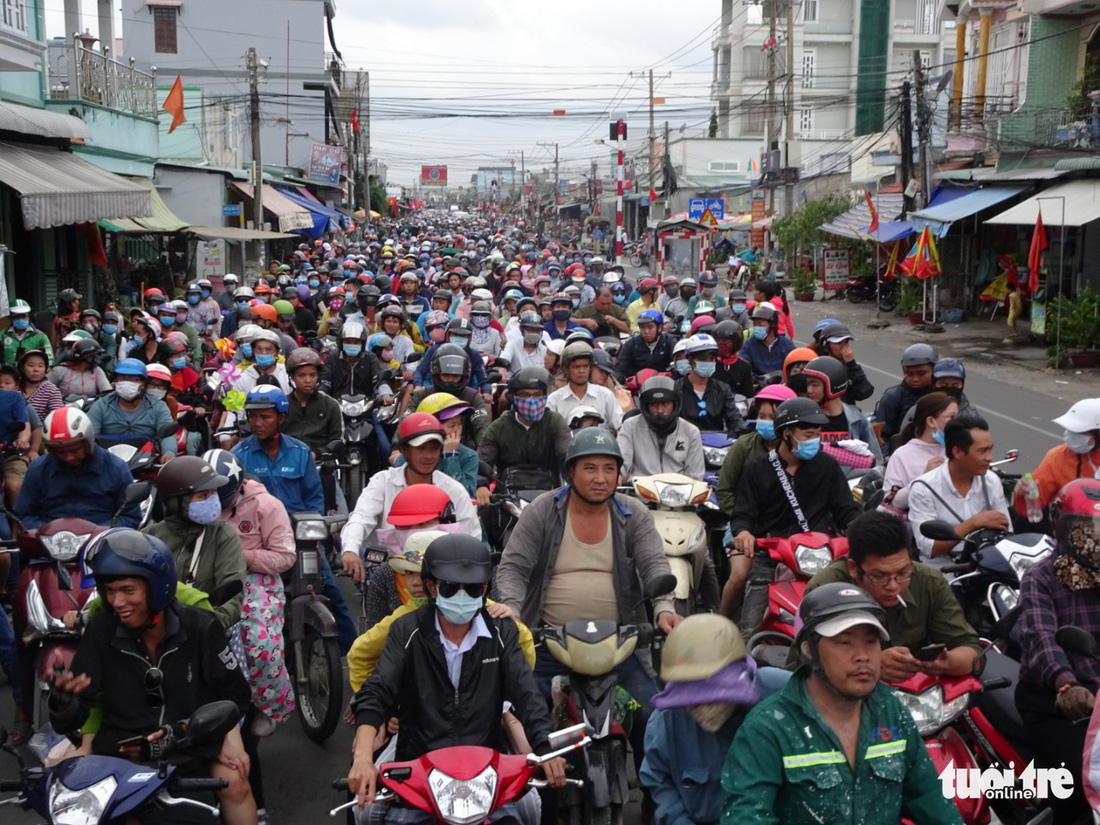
(938, 530)
(413, 357)
(211, 722)
(494, 377)
(1076, 640)
(655, 588)
(137, 491)
(336, 447)
(1012, 455)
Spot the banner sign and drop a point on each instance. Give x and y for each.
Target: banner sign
(836, 269)
(325, 162)
(433, 175)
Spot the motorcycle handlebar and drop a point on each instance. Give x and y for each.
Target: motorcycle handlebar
(340, 784)
(200, 784)
(957, 568)
(996, 684)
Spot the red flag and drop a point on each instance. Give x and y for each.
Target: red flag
(652, 195)
(173, 104)
(355, 121)
(1035, 255)
(873, 226)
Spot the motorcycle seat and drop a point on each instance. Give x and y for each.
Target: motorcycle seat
(529, 495)
(999, 705)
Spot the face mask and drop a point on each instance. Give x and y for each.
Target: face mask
(437, 334)
(672, 291)
(683, 366)
(265, 361)
(578, 282)
(92, 328)
(178, 363)
(459, 608)
(759, 333)
(1079, 443)
(192, 299)
(156, 392)
(21, 323)
(181, 318)
(532, 338)
(387, 354)
(206, 293)
(532, 409)
(110, 329)
(246, 350)
(621, 299)
(807, 449)
(541, 289)
(352, 350)
(937, 436)
(167, 321)
(576, 302)
(711, 716)
(335, 304)
(562, 314)
(128, 390)
(705, 369)
(708, 290)
(480, 321)
(205, 511)
(954, 392)
(766, 429)
(587, 260)
(738, 309)
(314, 283)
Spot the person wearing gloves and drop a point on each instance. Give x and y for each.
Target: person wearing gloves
(207, 551)
(1078, 456)
(710, 685)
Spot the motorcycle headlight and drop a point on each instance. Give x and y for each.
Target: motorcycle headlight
(928, 709)
(69, 807)
(354, 409)
(39, 616)
(463, 801)
(673, 495)
(715, 455)
(65, 545)
(812, 559)
(311, 530)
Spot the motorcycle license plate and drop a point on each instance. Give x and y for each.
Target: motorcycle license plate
(377, 556)
(310, 564)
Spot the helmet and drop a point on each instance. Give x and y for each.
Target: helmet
(67, 425)
(130, 366)
(419, 503)
(765, 312)
(651, 316)
(88, 347)
(266, 397)
(831, 372)
(820, 325)
(123, 552)
(450, 359)
(411, 559)
(195, 288)
(92, 312)
(775, 392)
(703, 308)
(1074, 514)
(230, 277)
(283, 307)
(289, 292)
(688, 283)
(656, 389)
(27, 353)
(529, 378)
(799, 412)
(833, 333)
(601, 359)
(303, 357)
(188, 474)
(229, 467)
(265, 311)
(174, 343)
(419, 428)
(832, 608)
(593, 441)
(246, 333)
(353, 329)
(1082, 417)
(461, 326)
(700, 343)
(918, 354)
(727, 331)
(799, 355)
(458, 558)
(579, 414)
(529, 320)
(708, 278)
(702, 323)
(19, 307)
(950, 368)
(442, 405)
(268, 335)
(378, 342)
(700, 646)
(151, 294)
(575, 351)
(392, 311)
(159, 372)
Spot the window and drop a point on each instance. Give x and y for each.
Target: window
(755, 63)
(809, 11)
(164, 30)
(15, 15)
(809, 62)
(724, 166)
(752, 121)
(925, 60)
(805, 120)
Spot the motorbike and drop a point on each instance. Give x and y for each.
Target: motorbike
(361, 452)
(88, 790)
(673, 499)
(509, 497)
(868, 288)
(310, 629)
(142, 456)
(466, 784)
(591, 650)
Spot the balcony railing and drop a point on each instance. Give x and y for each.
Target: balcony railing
(97, 78)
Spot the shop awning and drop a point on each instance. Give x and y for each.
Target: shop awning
(939, 216)
(291, 216)
(163, 221)
(30, 121)
(333, 220)
(228, 233)
(853, 223)
(1069, 204)
(57, 188)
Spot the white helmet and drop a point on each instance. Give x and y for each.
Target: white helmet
(1083, 417)
(701, 342)
(267, 335)
(67, 425)
(246, 333)
(353, 329)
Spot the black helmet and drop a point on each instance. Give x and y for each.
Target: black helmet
(457, 558)
(368, 296)
(383, 281)
(529, 378)
(831, 372)
(602, 358)
(123, 552)
(530, 320)
(86, 347)
(834, 330)
(656, 389)
(765, 312)
(460, 325)
(727, 331)
(593, 441)
(450, 359)
(918, 354)
(799, 412)
(188, 474)
(832, 608)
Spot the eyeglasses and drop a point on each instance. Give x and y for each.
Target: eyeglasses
(904, 577)
(154, 678)
(450, 589)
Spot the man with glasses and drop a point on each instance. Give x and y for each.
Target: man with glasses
(922, 613)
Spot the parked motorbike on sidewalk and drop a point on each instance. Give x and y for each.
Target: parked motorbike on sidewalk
(868, 288)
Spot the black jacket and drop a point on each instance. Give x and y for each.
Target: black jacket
(720, 414)
(360, 378)
(196, 661)
(635, 355)
(411, 682)
(738, 376)
(893, 405)
(859, 387)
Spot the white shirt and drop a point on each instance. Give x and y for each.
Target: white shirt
(518, 357)
(564, 401)
(251, 376)
(453, 653)
(377, 497)
(924, 506)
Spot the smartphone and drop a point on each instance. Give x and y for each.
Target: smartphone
(132, 740)
(929, 652)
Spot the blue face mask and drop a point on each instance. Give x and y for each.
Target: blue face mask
(808, 449)
(265, 361)
(621, 299)
(705, 369)
(313, 282)
(192, 298)
(21, 323)
(178, 363)
(110, 329)
(683, 366)
(766, 429)
(352, 350)
(937, 436)
(738, 309)
(459, 608)
(205, 511)
(759, 333)
(167, 320)
(246, 350)
(206, 293)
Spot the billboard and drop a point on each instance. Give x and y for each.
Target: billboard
(325, 162)
(433, 175)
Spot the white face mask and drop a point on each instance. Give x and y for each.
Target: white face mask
(157, 392)
(128, 390)
(1080, 443)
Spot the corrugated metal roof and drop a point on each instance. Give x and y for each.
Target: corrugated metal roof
(1082, 164)
(163, 221)
(229, 233)
(29, 121)
(58, 188)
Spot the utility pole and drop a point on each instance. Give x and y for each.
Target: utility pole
(788, 103)
(923, 128)
(771, 124)
(619, 127)
(523, 183)
(253, 64)
(905, 126)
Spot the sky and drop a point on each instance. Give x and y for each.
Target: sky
(475, 82)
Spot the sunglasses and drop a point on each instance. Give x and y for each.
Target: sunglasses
(449, 589)
(154, 678)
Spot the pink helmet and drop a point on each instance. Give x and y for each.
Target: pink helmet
(775, 392)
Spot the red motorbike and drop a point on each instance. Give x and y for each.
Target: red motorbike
(465, 785)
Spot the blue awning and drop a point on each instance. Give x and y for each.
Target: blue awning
(334, 219)
(939, 216)
(853, 223)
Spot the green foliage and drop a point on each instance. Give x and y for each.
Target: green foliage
(799, 231)
(712, 128)
(1078, 99)
(1078, 322)
(803, 280)
(910, 294)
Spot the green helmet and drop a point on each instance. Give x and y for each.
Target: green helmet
(19, 307)
(593, 441)
(283, 307)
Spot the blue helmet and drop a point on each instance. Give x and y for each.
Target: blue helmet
(123, 552)
(266, 397)
(824, 322)
(131, 366)
(651, 315)
(228, 465)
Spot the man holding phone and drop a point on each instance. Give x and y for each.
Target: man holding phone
(928, 631)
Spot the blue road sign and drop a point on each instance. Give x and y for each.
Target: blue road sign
(696, 208)
(717, 208)
(231, 210)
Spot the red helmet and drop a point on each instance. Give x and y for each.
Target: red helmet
(1075, 516)
(419, 428)
(419, 503)
(67, 425)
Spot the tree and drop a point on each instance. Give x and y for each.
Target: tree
(378, 197)
(712, 129)
(798, 232)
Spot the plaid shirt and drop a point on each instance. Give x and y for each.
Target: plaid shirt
(1048, 605)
